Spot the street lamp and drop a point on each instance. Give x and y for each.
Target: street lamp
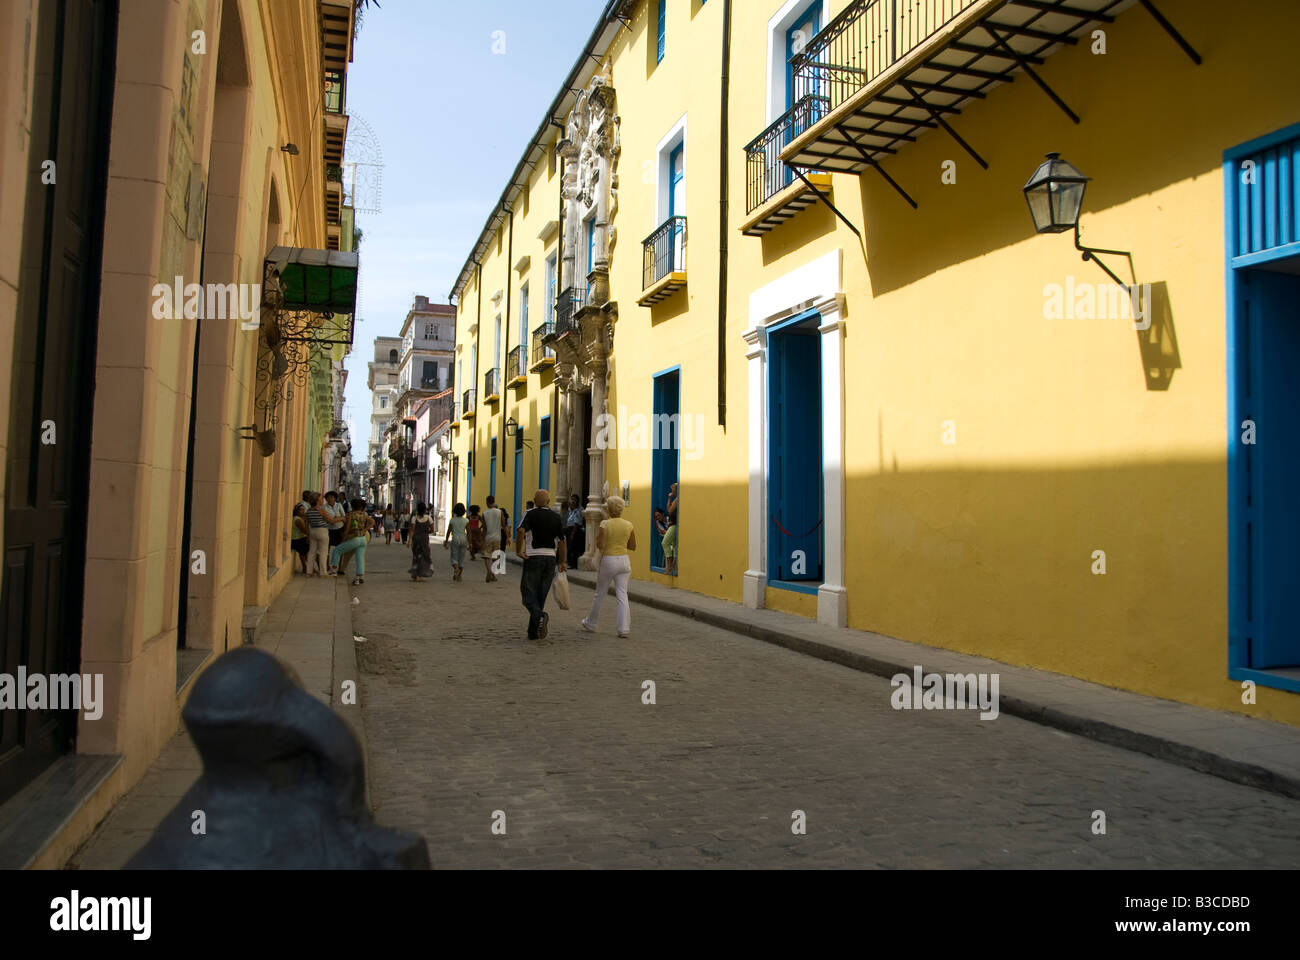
(511, 427)
(1055, 197)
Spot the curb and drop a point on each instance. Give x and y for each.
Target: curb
(1161, 748)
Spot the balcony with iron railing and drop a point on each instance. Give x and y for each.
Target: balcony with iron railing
(664, 262)
(567, 305)
(467, 407)
(773, 193)
(492, 385)
(542, 354)
(516, 370)
(890, 70)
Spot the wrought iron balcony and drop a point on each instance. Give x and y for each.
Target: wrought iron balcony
(567, 306)
(542, 354)
(467, 405)
(664, 262)
(492, 384)
(516, 372)
(766, 174)
(890, 70)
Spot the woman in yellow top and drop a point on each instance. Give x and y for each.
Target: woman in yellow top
(615, 539)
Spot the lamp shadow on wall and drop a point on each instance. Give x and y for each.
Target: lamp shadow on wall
(1158, 343)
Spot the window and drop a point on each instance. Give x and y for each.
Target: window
(460, 375)
(523, 328)
(670, 193)
(496, 348)
(662, 20)
(429, 378)
(665, 441)
(550, 289)
(591, 242)
(392, 356)
(383, 403)
(544, 456)
(431, 331)
(788, 33)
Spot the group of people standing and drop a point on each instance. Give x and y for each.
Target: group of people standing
(326, 531)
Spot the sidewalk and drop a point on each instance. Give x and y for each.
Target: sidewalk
(1258, 753)
(309, 627)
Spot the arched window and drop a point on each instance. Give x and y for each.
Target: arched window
(392, 356)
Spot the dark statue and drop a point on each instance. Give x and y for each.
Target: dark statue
(283, 783)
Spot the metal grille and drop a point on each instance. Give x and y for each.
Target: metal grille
(766, 174)
(665, 251)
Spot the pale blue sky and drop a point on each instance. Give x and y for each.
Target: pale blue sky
(452, 119)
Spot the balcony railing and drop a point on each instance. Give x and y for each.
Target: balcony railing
(515, 369)
(766, 175)
(467, 404)
(865, 40)
(665, 252)
(541, 352)
(492, 383)
(567, 306)
(334, 83)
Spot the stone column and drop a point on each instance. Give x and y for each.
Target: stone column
(595, 511)
(832, 595)
(560, 435)
(754, 586)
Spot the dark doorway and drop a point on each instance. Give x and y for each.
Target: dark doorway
(46, 483)
(794, 481)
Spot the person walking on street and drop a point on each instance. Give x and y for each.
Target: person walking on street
(404, 527)
(421, 559)
(355, 527)
(491, 535)
(615, 539)
(545, 558)
(390, 524)
(318, 555)
(457, 540)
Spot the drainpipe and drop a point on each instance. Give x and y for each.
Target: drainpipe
(501, 385)
(722, 216)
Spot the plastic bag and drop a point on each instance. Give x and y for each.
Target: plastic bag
(561, 588)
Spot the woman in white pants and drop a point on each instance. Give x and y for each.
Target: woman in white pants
(615, 539)
(318, 553)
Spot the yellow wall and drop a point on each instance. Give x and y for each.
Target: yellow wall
(1072, 435)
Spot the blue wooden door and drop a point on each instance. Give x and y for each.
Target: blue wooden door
(519, 477)
(1269, 396)
(796, 39)
(544, 457)
(795, 454)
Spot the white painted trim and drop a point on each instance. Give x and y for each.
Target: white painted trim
(777, 26)
(815, 285)
(670, 141)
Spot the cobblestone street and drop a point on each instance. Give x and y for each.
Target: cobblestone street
(465, 717)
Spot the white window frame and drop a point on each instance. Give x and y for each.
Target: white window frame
(790, 13)
(674, 138)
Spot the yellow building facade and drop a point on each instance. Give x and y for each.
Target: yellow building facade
(154, 452)
(900, 408)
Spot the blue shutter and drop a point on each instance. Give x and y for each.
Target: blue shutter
(663, 20)
(544, 456)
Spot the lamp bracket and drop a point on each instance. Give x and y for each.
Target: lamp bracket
(1090, 253)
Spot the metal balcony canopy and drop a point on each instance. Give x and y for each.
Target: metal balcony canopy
(321, 281)
(890, 70)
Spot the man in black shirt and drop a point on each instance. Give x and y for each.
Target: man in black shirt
(543, 530)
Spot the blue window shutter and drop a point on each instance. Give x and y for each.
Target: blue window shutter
(663, 19)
